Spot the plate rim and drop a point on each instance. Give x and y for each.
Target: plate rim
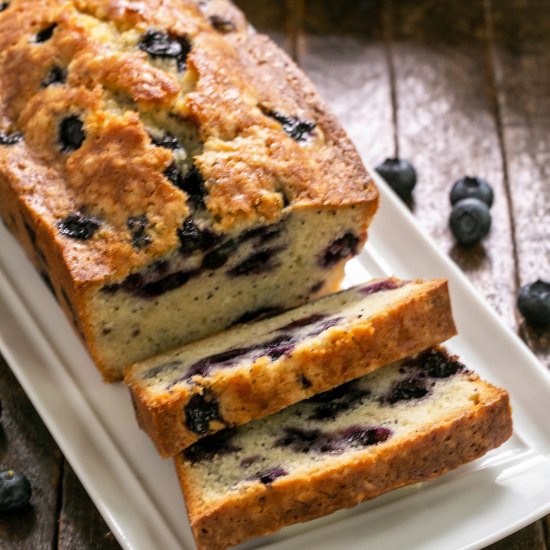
(11, 301)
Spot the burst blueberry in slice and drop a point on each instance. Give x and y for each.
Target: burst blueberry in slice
(400, 175)
(470, 221)
(56, 75)
(534, 303)
(46, 33)
(71, 134)
(257, 314)
(200, 411)
(193, 238)
(166, 45)
(257, 263)
(10, 139)
(217, 257)
(472, 187)
(340, 249)
(137, 226)
(359, 436)
(267, 477)
(407, 390)
(220, 443)
(15, 490)
(79, 226)
(4, 5)
(193, 184)
(440, 365)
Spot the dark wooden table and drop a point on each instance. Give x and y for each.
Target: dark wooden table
(457, 87)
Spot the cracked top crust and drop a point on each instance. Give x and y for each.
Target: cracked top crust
(111, 103)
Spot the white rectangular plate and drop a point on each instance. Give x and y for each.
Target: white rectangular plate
(137, 492)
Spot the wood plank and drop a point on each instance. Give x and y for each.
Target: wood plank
(528, 538)
(80, 525)
(342, 49)
(520, 51)
(26, 446)
(270, 18)
(447, 128)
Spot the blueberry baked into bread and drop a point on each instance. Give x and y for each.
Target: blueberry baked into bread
(168, 171)
(259, 368)
(405, 423)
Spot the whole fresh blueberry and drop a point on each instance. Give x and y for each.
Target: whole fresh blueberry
(534, 303)
(472, 187)
(15, 490)
(400, 176)
(470, 221)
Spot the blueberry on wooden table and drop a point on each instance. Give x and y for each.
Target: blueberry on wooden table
(472, 187)
(534, 303)
(15, 490)
(400, 176)
(470, 221)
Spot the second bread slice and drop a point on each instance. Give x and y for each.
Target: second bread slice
(259, 368)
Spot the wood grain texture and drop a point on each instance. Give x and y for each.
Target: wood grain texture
(520, 53)
(80, 525)
(459, 88)
(26, 446)
(342, 48)
(271, 18)
(528, 538)
(447, 127)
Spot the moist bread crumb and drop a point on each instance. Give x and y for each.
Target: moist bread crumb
(261, 367)
(408, 422)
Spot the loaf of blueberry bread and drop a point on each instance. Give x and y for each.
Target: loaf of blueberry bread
(261, 367)
(407, 422)
(168, 171)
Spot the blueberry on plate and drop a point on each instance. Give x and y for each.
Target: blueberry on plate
(534, 303)
(470, 221)
(472, 187)
(400, 176)
(15, 490)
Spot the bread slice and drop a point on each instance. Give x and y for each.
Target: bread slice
(405, 423)
(260, 368)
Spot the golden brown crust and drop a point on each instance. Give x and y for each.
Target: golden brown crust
(250, 165)
(262, 509)
(413, 325)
